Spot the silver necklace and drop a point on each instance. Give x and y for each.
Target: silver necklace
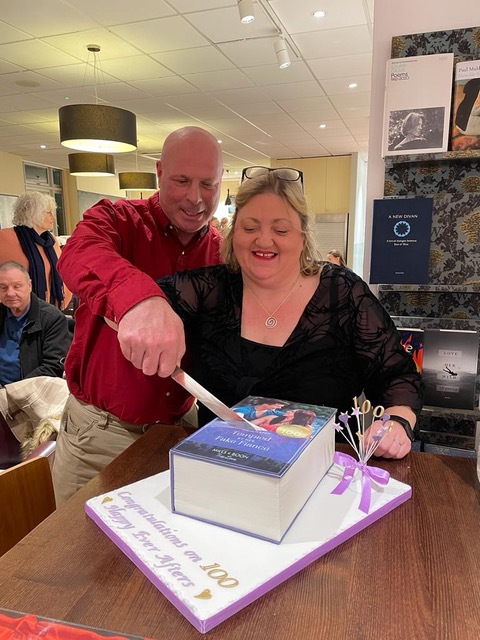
(271, 322)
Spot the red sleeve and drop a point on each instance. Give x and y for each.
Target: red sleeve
(93, 265)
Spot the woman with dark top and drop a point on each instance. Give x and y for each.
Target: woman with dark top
(273, 322)
(31, 244)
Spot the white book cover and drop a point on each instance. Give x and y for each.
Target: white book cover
(210, 573)
(418, 96)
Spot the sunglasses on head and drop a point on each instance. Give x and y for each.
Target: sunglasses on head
(283, 173)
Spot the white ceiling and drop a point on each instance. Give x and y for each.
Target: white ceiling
(179, 62)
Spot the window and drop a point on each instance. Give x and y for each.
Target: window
(48, 180)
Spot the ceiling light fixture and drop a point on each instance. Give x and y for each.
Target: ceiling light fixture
(353, 85)
(281, 52)
(319, 14)
(97, 127)
(91, 164)
(245, 9)
(322, 126)
(228, 200)
(137, 181)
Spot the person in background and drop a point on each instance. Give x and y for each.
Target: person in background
(274, 322)
(34, 338)
(335, 257)
(224, 226)
(31, 244)
(120, 384)
(215, 223)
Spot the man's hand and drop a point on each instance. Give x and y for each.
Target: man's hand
(152, 337)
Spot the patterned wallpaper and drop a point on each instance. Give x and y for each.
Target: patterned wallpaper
(452, 298)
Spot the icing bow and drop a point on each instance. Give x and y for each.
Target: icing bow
(368, 474)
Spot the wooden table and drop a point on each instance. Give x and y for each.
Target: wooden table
(413, 574)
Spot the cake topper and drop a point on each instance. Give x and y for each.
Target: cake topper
(363, 450)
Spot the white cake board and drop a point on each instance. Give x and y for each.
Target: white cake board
(171, 549)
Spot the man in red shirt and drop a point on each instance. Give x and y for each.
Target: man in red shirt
(119, 383)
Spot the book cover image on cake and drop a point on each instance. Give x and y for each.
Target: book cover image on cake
(466, 106)
(412, 341)
(418, 92)
(270, 472)
(450, 368)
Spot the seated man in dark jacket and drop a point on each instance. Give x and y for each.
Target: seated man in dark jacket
(34, 337)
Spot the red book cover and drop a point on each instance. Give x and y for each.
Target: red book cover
(412, 342)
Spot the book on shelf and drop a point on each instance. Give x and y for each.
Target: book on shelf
(418, 92)
(256, 481)
(465, 132)
(411, 339)
(209, 573)
(450, 368)
(401, 237)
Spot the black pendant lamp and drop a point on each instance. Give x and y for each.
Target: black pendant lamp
(137, 181)
(228, 200)
(97, 127)
(91, 164)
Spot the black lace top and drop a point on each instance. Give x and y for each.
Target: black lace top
(344, 343)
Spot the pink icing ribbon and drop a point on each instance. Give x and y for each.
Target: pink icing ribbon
(368, 474)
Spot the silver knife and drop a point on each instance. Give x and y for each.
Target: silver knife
(211, 402)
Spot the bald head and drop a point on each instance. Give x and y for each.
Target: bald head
(189, 177)
(186, 137)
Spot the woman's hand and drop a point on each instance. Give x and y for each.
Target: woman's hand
(394, 444)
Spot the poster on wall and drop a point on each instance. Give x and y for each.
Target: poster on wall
(401, 235)
(418, 94)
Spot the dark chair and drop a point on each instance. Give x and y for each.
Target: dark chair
(10, 450)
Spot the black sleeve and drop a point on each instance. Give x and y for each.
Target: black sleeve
(55, 344)
(389, 372)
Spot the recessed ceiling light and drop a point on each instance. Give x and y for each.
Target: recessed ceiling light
(353, 85)
(322, 126)
(219, 141)
(43, 146)
(319, 14)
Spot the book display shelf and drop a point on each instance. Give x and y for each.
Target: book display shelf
(451, 299)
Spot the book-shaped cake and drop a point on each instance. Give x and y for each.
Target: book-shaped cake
(254, 481)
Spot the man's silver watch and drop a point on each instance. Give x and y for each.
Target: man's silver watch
(405, 424)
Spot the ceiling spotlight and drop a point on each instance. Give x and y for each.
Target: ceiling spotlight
(245, 9)
(353, 85)
(281, 51)
(319, 14)
(322, 126)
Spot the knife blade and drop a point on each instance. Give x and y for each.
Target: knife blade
(212, 402)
